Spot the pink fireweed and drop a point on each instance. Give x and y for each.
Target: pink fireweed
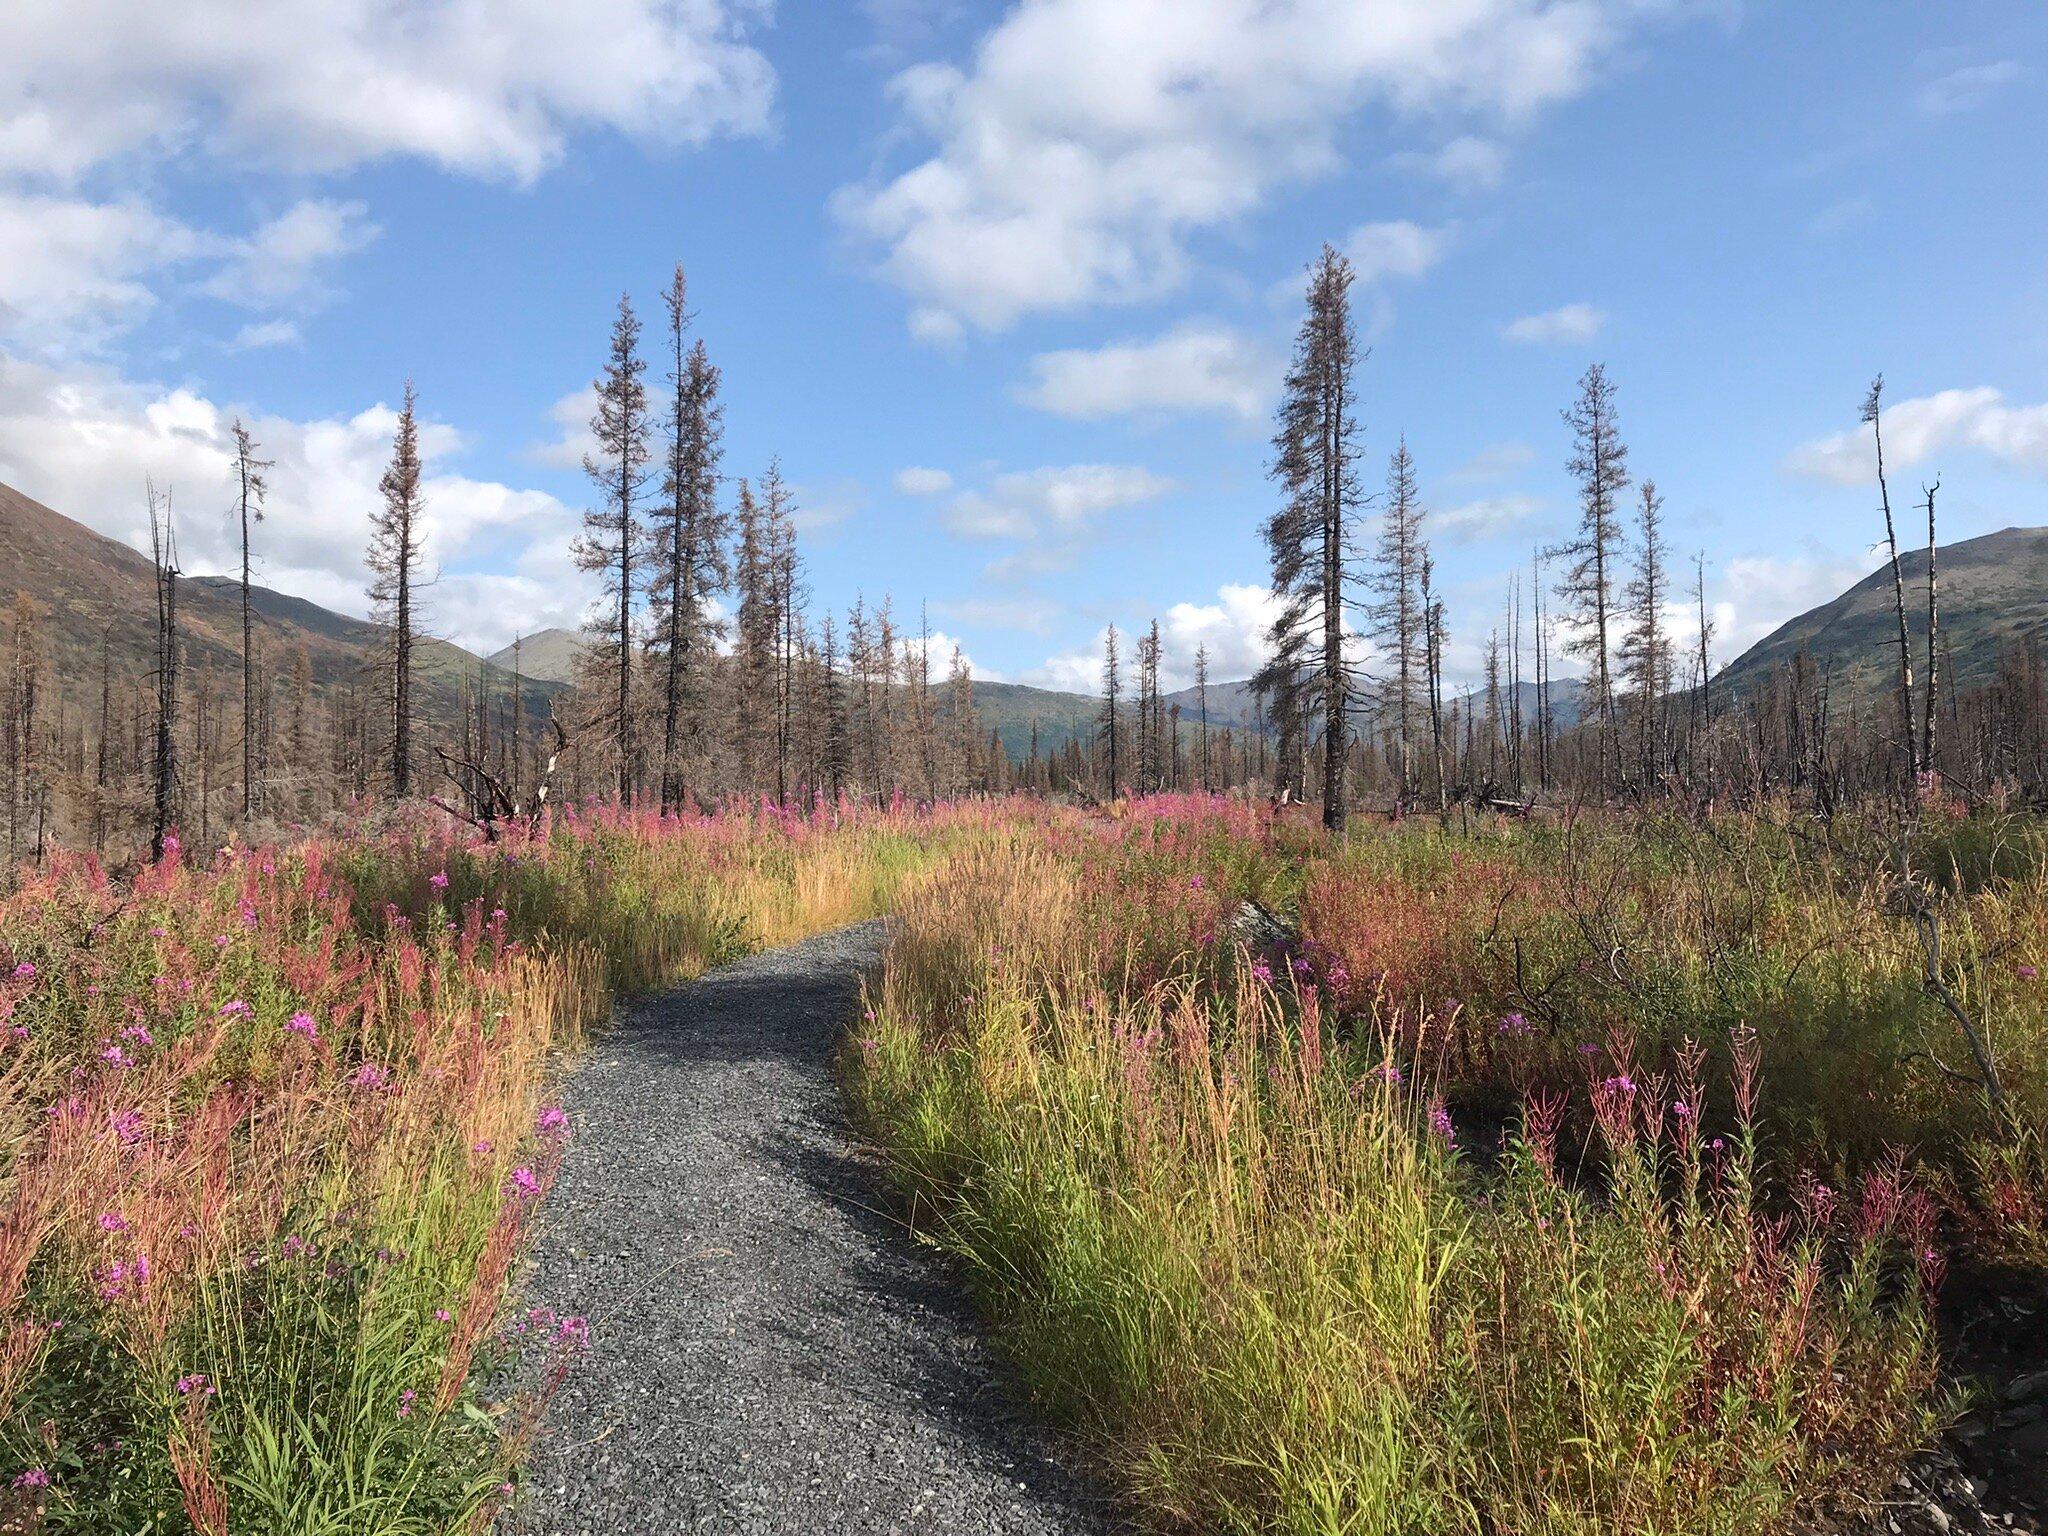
(303, 1024)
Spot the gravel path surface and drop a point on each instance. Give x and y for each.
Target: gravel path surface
(769, 1353)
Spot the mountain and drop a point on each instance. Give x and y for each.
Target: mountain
(1994, 591)
(550, 655)
(94, 590)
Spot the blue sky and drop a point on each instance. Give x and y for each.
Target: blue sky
(1009, 287)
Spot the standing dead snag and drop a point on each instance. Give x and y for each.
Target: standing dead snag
(163, 549)
(1873, 414)
(611, 539)
(251, 487)
(1315, 454)
(1599, 462)
(395, 559)
(1933, 637)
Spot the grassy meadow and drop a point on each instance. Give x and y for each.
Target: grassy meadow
(1596, 1175)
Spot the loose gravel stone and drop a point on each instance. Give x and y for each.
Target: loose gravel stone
(769, 1352)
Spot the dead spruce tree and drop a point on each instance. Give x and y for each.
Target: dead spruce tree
(163, 552)
(687, 563)
(1599, 462)
(251, 487)
(1396, 614)
(396, 563)
(1315, 456)
(612, 536)
(1646, 648)
(1109, 725)
(1873, 417)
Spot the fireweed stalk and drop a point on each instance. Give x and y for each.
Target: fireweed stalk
(274, 1133)
(1248, 1255)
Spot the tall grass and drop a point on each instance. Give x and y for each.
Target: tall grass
(1232, 1232)
(273, 1137)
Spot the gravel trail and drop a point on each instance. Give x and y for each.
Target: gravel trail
(769, 1353)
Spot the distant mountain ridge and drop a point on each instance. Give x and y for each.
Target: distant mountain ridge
(96, 591)
(1994, 592)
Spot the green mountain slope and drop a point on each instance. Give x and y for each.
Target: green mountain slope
(1994, 591)
(97, 592)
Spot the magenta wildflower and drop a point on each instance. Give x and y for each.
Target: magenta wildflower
(34, 1477)
(405, 1400)
(525, 1182)
(438, 880)
(2027, 973)
(196, 1382)
(553, 1121)
(302, 1024)
(370, 1076)
(113, 1221)
(25, 971)
(1440, 1124)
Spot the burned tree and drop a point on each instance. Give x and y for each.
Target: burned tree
(396, 562)
(1315, 454)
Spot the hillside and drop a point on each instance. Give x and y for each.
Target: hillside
(548, 655)
(94, 589)
(1994, 591)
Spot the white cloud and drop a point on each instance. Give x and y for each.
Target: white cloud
(70, 267)
(1493, 462)
(1467, 163)
(1916, 429)
(573, 439)
(1395, 248)
(322, 85)
(1027, 503)
(1087, 141)
(280, 263)
(265, 333)
(74, 273)
(918, 481)
(1233, 627)
(1569, 324)
(1033, 615)
(1961, 90)
(1486, 518)
(1757, 593)
(1196, 367)
(83, 440)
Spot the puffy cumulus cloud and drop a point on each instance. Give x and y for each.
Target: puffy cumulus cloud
(1978, 420)
(74, 269)
(84, 441)
(1753, 594)
(265, 333)
(1030, 503)
(573, 439)
(1395, 248)
(1467, 163)
(1197, 367)
(1233, 627)
(282, 261)
(1567, 325)
(919, 481)
(75, 273)
(323, 85)
(1086, 141)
